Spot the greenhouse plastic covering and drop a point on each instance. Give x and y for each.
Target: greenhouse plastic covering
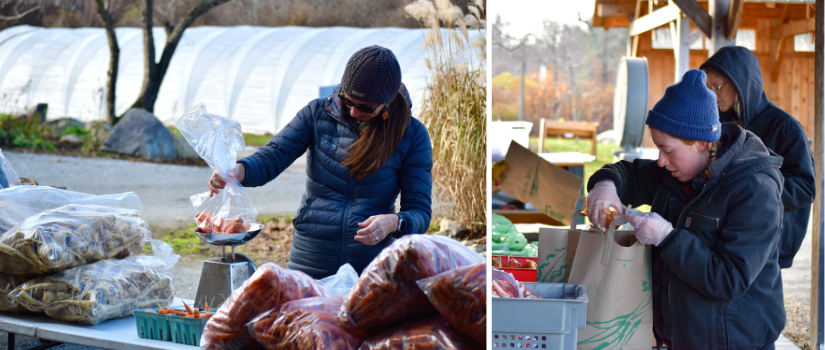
(260, 76)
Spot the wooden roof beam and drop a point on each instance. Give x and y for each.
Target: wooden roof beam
(654, 20)
(734, 17)
(800, 26)
(700, 18)
(614, 10)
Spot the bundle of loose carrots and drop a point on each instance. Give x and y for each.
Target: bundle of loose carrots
(189, 313)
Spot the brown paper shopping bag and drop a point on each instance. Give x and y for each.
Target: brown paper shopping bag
(557, 248)
(616, 273)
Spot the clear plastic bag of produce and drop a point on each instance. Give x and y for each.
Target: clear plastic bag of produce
(8, 177)
(100, 291)
(21, 202)
(430, 333)
(269, 287)
(7, 284)
(460, 295)
(310, 323)
(340, 284)
(70, 236)
(387, 292)
(217, 140)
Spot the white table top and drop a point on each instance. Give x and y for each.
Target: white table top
(120, 334)
(567, 157)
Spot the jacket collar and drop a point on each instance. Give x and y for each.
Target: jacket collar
(745, 154)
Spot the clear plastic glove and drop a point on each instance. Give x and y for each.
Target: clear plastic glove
(651, 228)
(602, 196)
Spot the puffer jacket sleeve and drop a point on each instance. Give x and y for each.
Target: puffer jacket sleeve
(417, 183)
(636, 182)
(290, 143)
(746, 241)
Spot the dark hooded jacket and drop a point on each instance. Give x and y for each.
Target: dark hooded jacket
(334, 202)
(781, 133)
(716, 276)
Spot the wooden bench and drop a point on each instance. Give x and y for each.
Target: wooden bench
(579, 129)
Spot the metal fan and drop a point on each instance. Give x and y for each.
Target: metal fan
(630, 106)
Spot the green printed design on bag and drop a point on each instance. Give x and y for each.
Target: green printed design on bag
(615, 334)
(554, 273)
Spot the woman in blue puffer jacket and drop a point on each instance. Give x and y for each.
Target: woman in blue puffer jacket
(363, 149)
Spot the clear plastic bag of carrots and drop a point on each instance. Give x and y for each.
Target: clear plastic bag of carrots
(217, 140)
(269, 287)
(431, 333)
(387, 293)
(306, 324)
(460, 295)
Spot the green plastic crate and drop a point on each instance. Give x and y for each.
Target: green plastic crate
(152, 325)
(186, 330)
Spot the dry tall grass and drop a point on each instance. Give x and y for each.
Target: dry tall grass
(455, 109)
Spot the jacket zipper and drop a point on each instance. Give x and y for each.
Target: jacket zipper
(716, 220)
(344, 226)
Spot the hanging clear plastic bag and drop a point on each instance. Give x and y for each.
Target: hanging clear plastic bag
(341, 283)
(21, 202)
(70, 236)
(8, 178)
(217, 140)
(104, 290)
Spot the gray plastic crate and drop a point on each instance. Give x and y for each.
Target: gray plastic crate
(549, 323)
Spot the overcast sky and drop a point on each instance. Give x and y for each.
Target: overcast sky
(525, 16)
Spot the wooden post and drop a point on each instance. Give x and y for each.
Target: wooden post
(542, 134)
(718, 10)
(817, 253)
(680, 31)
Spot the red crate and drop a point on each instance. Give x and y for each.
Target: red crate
(523, 275)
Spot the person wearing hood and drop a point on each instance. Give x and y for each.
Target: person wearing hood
(716, 208)
(734, 75)
(363, 149)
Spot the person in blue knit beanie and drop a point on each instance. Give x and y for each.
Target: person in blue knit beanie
(715, 217)
(363, 149)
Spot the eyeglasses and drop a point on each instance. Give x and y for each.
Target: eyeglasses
(361, 107)
(717, 88)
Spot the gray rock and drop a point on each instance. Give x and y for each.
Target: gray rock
(71, 138)
(60, 125)
(140, 133)
(183, 148)
(38, 113)
(446, 233)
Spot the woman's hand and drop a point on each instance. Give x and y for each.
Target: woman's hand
(376, 228)
(651, 228)
(602, 196)
(217, 182)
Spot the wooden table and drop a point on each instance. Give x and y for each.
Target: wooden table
(553, 129)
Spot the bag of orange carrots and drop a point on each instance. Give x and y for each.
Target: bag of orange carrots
(387, 293)
(306, 324)
(430, 333)
(269, 287)
(460, 295)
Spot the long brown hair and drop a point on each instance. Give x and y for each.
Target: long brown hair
(379, 139)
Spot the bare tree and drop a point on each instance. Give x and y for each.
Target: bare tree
(30, 7)
(155, 71)
(114, 58)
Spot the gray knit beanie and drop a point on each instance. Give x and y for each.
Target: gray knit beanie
(372, 75)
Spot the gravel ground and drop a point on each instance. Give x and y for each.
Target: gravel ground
(796, 283)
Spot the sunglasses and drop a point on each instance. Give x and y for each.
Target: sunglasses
(361, 107)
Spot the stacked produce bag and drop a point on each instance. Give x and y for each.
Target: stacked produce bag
(422, 292)
(508, 241)
(74, 256)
